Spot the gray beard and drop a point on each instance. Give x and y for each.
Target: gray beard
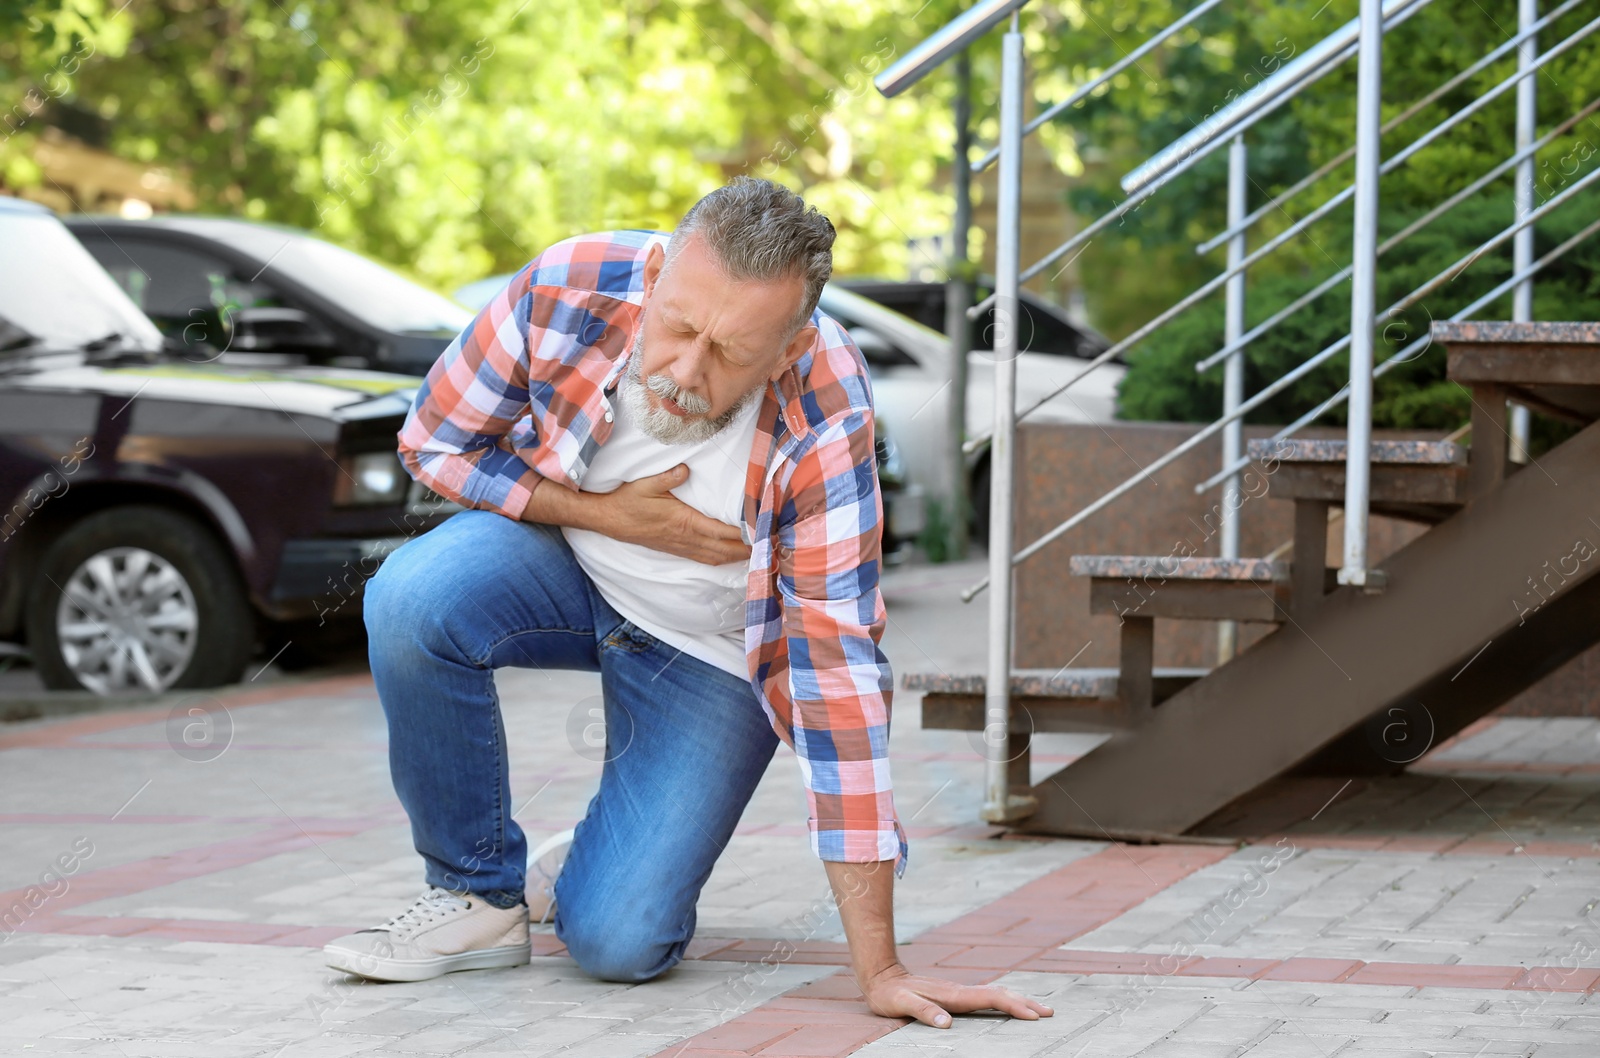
(661, 424)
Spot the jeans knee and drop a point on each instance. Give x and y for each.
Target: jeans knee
(406, 608)
(376, 610)
(611, 953)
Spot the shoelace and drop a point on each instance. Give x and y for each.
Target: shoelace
(434, 903)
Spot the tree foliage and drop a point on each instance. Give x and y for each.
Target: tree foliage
(455, 138)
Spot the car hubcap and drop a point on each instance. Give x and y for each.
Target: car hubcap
(127, 621)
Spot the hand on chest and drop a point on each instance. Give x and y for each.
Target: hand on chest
(717, 466)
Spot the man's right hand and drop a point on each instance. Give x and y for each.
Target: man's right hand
(645, 512)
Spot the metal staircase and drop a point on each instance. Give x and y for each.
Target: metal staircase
(1499, 591)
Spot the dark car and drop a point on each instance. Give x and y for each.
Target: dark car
(160, 517)
(247, 293)
(1045, 328)
(262, 293)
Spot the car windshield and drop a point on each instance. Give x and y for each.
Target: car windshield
(53, 291)
(364, 288)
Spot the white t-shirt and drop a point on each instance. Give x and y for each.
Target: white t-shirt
(688, 605)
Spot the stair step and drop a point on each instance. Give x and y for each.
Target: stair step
(1381, 453)
(1535, 333)
(1179, 567)
(1042, 699)
(1192, 588)
(1087, 683)
(1553, 367)
(1424, 481)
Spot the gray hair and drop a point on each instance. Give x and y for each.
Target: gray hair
(758, 230)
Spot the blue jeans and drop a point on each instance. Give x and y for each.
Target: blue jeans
(686, 742)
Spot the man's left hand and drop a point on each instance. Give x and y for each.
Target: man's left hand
(895, 992)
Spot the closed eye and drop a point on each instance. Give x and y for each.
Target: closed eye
(677, 327)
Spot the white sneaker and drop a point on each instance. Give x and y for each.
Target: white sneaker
(441, 933)
(544, 866)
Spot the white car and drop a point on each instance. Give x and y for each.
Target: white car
(910, 367)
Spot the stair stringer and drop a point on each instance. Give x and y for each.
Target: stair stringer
(1486, 679)
(1449, 592)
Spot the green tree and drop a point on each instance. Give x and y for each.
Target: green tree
(454, 139)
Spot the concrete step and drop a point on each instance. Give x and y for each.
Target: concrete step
(1088, 699)
(1550, 367)
(1380, 453)
(1191, 588)
(1561, 356)
(1422, 481)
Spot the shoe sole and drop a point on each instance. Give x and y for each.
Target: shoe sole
(364, 964)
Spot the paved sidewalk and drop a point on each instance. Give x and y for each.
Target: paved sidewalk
(215, 844)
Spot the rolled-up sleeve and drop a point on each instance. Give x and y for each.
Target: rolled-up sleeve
(840, 685)
(455, 439)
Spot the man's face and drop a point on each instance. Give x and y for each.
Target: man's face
(707, 344)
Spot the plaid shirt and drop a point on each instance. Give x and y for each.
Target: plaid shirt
(522, 394)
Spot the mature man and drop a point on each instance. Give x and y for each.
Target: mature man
(669, 457)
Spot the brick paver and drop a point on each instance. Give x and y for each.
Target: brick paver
(1449, 910)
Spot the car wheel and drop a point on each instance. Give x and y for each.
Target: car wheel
(138, 599)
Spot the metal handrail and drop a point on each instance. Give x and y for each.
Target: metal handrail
(1287, 379)
(1315, 63)
(1394, 240)
(1404, 155)
(1405, 354)
(1267, 248)
(1388, 126)
(1083, 235)
(942, 44)
(1111, 71)
(1299, 71)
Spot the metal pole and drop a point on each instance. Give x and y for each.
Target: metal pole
(999, 806)
(1233, 379)
(957, 299)
(1522, 242)
(1363, 299)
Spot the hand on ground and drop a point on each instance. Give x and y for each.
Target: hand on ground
(898, 993)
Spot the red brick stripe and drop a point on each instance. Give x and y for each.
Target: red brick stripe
(290, 935)
(829, 1017)
(1319, 971)
(63, 732)
(104, 883)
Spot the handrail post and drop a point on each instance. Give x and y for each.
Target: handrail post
(1522, 242)
(999, 806)
(1363, 299)
(957, 299)
(1233, 378)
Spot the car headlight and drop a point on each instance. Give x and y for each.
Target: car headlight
(371, 478)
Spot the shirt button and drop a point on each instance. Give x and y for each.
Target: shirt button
(608, 415)
(573, 473)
